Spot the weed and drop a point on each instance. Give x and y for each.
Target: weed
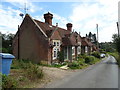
(8, 82)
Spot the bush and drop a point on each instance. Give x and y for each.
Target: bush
(56, 65)
(90, 60)
(96, 54)
(117, 57)
(8, 82)
(81, 61)
(60, 56)
(74, 65)
(82, 56)
(33, 71)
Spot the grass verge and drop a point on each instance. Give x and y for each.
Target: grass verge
(117, 56)
(22, 74)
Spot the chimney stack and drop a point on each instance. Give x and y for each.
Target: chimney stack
(69, 27)
(48, 18)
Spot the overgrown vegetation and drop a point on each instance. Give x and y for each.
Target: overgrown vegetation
(116, 41)
(116, 55)
(23, 72)
(84, 60)
(8, 82)
(96, 54)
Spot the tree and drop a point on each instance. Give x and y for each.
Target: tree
(116, 41)
(6, 42)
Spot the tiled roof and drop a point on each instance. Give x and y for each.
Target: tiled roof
(49, 28)
(86, 42)
(68, 38)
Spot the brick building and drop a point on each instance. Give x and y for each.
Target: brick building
(41, 41)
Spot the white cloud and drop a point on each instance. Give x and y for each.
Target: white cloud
(10, 20)
(85, 16)
(24, 4)
(60, 20)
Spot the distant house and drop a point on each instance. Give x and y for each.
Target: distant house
(41, 41)
(86, 45)
(92, 38)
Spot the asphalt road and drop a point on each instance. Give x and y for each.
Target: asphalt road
(101, 75)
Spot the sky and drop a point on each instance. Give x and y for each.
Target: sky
(83, 14)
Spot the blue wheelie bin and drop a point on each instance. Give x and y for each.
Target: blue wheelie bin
(5, 62)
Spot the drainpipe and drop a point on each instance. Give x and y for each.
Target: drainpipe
(18, 42)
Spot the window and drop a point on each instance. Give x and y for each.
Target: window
(78, 50)
(54, 43)
(57, 43)
(58, 50)
(55, 53)
(65, 52)
(73, 50)
(86, 49)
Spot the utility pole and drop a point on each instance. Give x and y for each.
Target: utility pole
(118, 28)
(97, 35)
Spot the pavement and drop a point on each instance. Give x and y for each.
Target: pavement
(101, 75)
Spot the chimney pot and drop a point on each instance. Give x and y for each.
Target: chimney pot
(69, 27)
(56, 24)
(48, 18)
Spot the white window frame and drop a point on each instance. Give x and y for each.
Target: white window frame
(56, 48)
(79, 49)
(73, 50)
(58, 44)
(86, 49)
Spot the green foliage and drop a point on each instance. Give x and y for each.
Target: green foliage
(81, 61)
(107, 46)
(8, 82)
(117, 42)
(32, 70)
(56, 65)
(117, 57)
(96, 54)
(74, 65)
(60, 56)
(91, 60)
(4, 50)
(7, 42)
(82, 56)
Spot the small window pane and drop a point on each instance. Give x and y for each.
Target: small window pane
(54, 53)
(57, 43)
(54, 43)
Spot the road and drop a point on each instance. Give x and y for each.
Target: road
(101, 75)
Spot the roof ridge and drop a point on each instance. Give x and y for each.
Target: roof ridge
(51, 25)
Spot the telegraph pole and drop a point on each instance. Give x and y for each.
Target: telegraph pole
(97, 35)
(118, 28)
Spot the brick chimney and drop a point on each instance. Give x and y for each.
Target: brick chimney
(69, 27)
(48, 18)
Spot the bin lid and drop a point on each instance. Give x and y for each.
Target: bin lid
(6, 55)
